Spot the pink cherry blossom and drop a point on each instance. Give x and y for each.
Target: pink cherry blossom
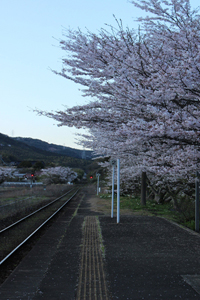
(145, 94)
(58, 175)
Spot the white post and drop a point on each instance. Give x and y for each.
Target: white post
(97, 183)
(113, 186)
(197, 202)
(118, 190)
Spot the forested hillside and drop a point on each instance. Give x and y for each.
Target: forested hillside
(36, 143)
(14, 151)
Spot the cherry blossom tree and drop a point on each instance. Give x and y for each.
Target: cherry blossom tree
(145, 87)
(58, 175)
(6, 172)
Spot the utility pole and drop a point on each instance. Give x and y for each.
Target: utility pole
(3, 162)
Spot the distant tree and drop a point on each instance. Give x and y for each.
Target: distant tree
(6, 172)
(145, 89)
(24, 164)
(58, 175)
(51, 164)
(79, 173)
(9, 158)
(38, 165)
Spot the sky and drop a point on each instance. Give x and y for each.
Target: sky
(30, 34)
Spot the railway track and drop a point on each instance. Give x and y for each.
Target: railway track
(14, 236)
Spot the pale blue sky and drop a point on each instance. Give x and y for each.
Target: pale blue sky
(29, 29)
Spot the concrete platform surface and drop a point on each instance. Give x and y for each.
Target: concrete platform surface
(87, 255)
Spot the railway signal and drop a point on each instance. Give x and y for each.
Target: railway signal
(32, 179)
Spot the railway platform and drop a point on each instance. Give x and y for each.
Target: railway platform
(87, 255)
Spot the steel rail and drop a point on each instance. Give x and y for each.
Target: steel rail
(24, 241)
(34, 212)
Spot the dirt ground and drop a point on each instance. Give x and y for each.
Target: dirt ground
(101, 205)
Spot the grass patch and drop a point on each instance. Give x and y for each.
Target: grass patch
(17, 203)
(102, 247)
(152, 208)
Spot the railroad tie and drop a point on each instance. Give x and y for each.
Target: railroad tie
(92, 282)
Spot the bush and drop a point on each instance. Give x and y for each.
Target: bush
(25, 164)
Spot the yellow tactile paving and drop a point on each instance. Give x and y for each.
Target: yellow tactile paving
(92, 283)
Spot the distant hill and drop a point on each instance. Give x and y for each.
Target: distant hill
(71, 152)
(14, 150)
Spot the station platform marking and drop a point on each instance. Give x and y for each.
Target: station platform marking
(92, 280)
